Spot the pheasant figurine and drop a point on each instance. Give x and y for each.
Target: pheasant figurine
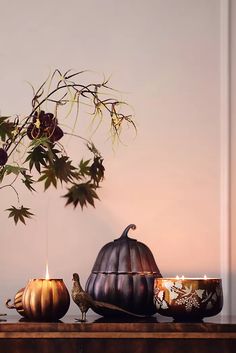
(85, 301)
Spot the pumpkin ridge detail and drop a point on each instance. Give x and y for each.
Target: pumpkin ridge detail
(17, 302)
(123, 275)
(138, 260)
(41, 304)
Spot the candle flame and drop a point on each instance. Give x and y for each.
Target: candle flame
(182, 277)
(177, 277)
(47, 273)
(205, 276)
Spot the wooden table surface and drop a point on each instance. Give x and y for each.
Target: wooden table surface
(155, 334)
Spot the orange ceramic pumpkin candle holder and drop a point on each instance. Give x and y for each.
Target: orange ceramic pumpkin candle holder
(45, 299)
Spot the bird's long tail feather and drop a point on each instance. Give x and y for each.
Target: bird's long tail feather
(98, 304)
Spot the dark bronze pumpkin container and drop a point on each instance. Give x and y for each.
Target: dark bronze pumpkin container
(123, 275)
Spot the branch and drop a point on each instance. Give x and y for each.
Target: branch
(11, 186)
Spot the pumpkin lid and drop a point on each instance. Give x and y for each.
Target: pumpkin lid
(125, 255)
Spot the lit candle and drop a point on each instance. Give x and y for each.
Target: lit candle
(188, 299)
(47, 273)
(45, 299)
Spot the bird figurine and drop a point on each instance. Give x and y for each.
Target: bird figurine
(86, 302)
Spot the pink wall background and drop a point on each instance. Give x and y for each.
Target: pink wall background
(165, 56)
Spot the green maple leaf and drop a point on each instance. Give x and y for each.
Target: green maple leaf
(10, 169)
(84, 168)
(19, 214)
(37, 157)
(28, 181)
(82, 193)
(13, 169)
(6, 128)
(64, 171)
(97, 170)
(49, 177)
(41, 141)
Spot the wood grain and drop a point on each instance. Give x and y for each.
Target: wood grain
(100, 335)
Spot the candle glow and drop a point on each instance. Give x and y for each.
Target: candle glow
(47, 273)
(188, 298)
(186, 278)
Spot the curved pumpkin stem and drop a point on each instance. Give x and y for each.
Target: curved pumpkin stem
(9, 306)
(125, 232)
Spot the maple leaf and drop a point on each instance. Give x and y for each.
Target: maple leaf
(19, 214)
(97, 170)
(28, 181)
(13, 169)
(10, 169)
(84, 168)
(37, 157)
(6, 128)
(42, 154)
(82, 193)
(64, 171)
(40, 141)
(49, 176)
